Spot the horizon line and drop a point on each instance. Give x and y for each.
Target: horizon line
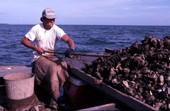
(91, 24)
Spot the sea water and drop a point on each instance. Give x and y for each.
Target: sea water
(87, 38)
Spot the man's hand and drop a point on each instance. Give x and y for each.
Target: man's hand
(25, 41)
(69, 52)
(39, 50)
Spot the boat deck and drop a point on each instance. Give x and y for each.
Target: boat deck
(103, 103)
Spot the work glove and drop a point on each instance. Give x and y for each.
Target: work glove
(69, 52)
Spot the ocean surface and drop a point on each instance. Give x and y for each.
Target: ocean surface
(88, 39)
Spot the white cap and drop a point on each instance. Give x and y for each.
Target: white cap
(49, 13)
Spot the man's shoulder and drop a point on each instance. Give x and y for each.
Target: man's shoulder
(37, 27)
(57, 28)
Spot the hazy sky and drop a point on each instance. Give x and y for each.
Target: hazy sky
(94, 12)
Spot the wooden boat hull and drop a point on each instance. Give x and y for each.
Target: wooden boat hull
(108, 90)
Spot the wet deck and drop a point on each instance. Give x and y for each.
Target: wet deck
(39, 102)
(7, 69)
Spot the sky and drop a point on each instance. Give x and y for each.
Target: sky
(88, 12)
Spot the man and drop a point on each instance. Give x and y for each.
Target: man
(50, 71)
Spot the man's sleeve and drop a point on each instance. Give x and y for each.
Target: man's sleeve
(31, 35)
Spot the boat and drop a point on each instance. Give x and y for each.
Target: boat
(81, 91)
(126, 101)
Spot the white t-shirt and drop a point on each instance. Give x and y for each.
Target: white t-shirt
(43, 38)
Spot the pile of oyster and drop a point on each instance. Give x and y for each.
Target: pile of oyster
(141, 70)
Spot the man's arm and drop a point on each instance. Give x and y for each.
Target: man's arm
(69, 41)
(26, 42)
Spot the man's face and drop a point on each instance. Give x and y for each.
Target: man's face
(48, 23)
